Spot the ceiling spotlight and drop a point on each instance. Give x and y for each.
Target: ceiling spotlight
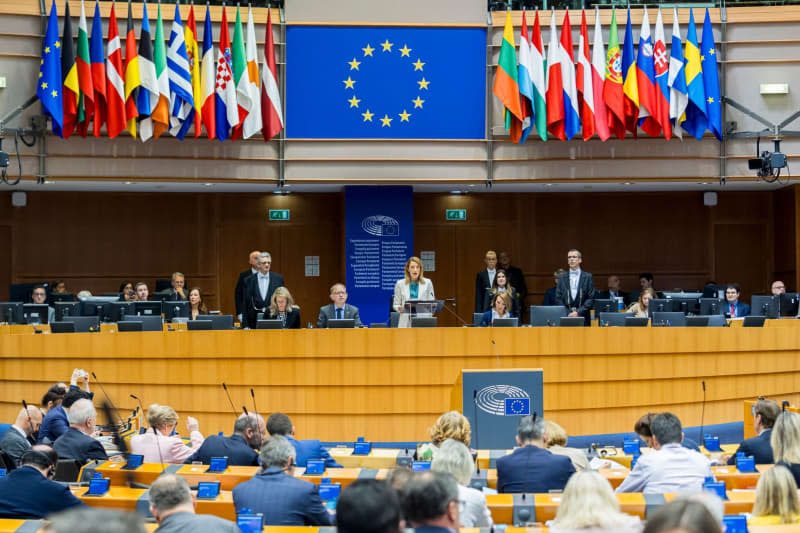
(130, 183)
(459, 191)
(281, 192)
(208, 184)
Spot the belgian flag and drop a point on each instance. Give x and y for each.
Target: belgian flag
(71, 92)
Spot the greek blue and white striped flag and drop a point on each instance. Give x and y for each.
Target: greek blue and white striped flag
(181, 104)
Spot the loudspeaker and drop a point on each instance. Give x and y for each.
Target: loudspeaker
(19, 199)
(709, 198)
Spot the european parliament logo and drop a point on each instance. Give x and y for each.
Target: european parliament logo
(517, 406)
(500, 400)
(381, 226)
(389, 83)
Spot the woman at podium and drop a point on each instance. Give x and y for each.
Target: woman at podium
(501, 308)
(413, 286)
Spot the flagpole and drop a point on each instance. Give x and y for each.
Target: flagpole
(489, 128)
(723, 145)
(282, 134)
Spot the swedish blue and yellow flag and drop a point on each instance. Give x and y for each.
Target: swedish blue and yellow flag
(49, 86)
(696, 110)
(381, 82)
(711, 79)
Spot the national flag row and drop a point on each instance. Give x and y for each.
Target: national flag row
(612, 91)
(160, 85)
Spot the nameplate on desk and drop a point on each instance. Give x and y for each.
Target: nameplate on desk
(134, 462)
(420, 466)
(314, 468)
(207, 490)
(735, 523)
(716, 487)
(98, 487)
(631, 447)
(746, 464)
(250, 523)
(362, 448)
(712, 443)
(217, 465)
(329, 491)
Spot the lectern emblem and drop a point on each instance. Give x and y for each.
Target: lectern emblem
(381, 226)
(492, 399)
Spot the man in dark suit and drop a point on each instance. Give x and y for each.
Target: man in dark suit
(28, 491)
(16, 440)
(258, 290)
(430, 502)
(764, 414)
(575, 289)
(733, 307)
(172, 506)
(516, 278)
(240, 283)
(483, 282)
(339, 308)
(248, 434)
(614, 291)
(368, 506)
(531, 467)
(280, 424)
(283, 499)
(56, 421)
(550, 294)
(76, 443)
(177, 292)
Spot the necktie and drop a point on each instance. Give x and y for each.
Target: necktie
(339, 313)
(733, 310)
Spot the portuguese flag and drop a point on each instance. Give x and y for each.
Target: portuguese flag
(612, 86)
(506, 86)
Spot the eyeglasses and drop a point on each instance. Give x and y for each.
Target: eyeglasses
(339, 293)
(573, 257)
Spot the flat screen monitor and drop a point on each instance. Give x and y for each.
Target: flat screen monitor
(67, 309)
(636, 322)
(62, 327)
(764, 305)
(95, 307)
(113, 298)
(148, 308)
(149, 323)
(218, 321)
(274, 323)
(208, 490)
(62, 297)
(683, 294)
(753, 321)
(175, 310)
(714, 291)
(83, 324)
(118, 310)
(697, 321)
(687, 306)
(605, 306)
(35, 313)
(673, 319)
(130, 325)
(505, 322)
(789, 304)
(199, 325)
(21, 292)
(477, 318)
(660, 305)
(710, 306)
(250, 523)
(717, 321)
(341, 323)
(423, 321)
(612, 319)
(571, 321)
(547, 315)
(11, 312)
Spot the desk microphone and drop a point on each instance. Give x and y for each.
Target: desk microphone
(235, 412)
(253, 395)
(496, 356)
(25, 405)
(118, 440)
(703, 413)
(109, 401)
(453, 301)
(142, 409)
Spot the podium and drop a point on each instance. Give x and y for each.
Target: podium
(422, 310)
(494, 400)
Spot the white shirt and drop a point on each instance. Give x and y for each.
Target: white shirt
(491, 274)
(476, 512)
(574, 278)
(672, 468)
(263, 285)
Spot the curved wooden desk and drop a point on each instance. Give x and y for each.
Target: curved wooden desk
(392, 384)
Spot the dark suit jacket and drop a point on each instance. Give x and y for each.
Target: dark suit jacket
(311, 450)
(240, 286)
(533, 469)
(75, 444)
(189, 523)
(235, 448)
(794, 468)
(759, 447)
(284, 500)
(605, 295)
(482, 285)
(550, 297)
(14, 444)
(26, 493)
(742, 309)
(328, 312)
(253, 303)
(585, 298)
(517, 280)
(292, 319)
(54, 424)
(173, 296)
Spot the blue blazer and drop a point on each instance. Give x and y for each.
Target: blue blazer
(75, 444)
(284, 500)
(533, 469)
(235, 448)
(742, 309)
(487, 318)
(550, 297)
(311, 449)
(54, 424)
(26, 493)
(759, 447)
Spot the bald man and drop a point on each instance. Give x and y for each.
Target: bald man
(241, 282)
(15, 442)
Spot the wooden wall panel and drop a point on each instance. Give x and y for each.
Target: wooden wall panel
(785, 231)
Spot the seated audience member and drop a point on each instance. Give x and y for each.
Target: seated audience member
(58, 287)
(785, 440)
(369, 506)
(711, 501)
(84, 294)
(142, 292)
(248, 434)
(642, 429)
(282, 307)
(671, 467)
(16, 440)
(196, 304)
(29, 492)
(778, 288)
(589, 503)
(77, 443)
(454, 458)
(39, 296)
(94, 520)
(56, 421)
(776, 498)
(177, 292)
(765, 413)
(413, 286)
(501, 283)
(157, 445)
(339, 309)
(733, 307)
(283, 499)
(641, 309)
(398, 477)
(430, 502)
(614, 291)
(682, 516)
(531, 468)
(516, 278)
(646, 281)
(484, 281)
(280, 424)
(550, 294)
(52, 398)
(172, 505)
(451, 425)
(126, 292)
(501, 308)
(557, 443)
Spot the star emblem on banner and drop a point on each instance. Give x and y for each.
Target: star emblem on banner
(517, 406)
(354, 68)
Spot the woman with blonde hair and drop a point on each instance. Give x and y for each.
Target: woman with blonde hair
(157, 445)
(451, 425)
(589, 502)
(282, 307)
(785, 442)
(641, 308)
(413, 286)
(776, 498)
(501, 308)
(556, 442)
(454, 458)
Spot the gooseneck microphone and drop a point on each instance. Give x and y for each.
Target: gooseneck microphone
(30, 422)
(116, 411)
(235, 412)
(703, 414)
(253, 395)
(141, 407)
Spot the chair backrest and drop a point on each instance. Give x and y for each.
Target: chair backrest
(477, 318)
(394, 319)
(67, 470)
(717, 321)
(547, 315)
(149, 322)
(6, 461)
(218, 321)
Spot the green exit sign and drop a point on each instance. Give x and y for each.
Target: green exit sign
(279, 214)
(455, 214)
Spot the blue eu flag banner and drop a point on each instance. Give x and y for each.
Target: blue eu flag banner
(385, 83)
(518, 406)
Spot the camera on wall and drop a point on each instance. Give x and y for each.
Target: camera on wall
(768, 164)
